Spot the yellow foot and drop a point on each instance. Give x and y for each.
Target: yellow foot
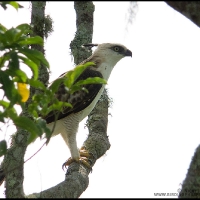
(84, 157)
(84, 153)
(82, 160)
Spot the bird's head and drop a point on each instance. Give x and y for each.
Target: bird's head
(106, 57)
(110, 52)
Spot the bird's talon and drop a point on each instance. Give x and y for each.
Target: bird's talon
(82, 160)
(85, 162)
(67, 163)
(84, 153)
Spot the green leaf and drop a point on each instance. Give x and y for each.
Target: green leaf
(28, 124)
(2, 117)
(93, 80)
(10, 35)
(24, 29)
(3, 41)
(4, 104)
(19, 75)
(22, 75)
(35, 56)
(17, 37)
(14, 63)
(66, 104)
(11, 112)
(55, 84)
(32, 109)
(37, 84)
(3, 59)
(32, 40)
(59, 105)
(3, 147)
(3, 5)
(68, 81)
(3, 29)
(7, 84)
(32, 65)
(77, 88)
(14, 4)
(42, 123)
(74, 74)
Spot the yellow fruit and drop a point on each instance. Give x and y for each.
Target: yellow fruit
(23, 91)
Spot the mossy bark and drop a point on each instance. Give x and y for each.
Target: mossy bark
(97, 143)
(13, 164)
(191, 184)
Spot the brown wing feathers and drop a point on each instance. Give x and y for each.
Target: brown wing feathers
(79, 100)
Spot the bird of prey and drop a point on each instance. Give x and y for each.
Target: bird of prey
(105, 58)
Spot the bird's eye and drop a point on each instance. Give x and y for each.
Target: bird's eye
(116, 49)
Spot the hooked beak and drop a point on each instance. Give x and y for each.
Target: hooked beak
(128, 53)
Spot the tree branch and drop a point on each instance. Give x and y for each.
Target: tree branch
(84, 25)
(189, 9)
(13, 164)
(38, 21)
(97, 143)
(191, 184)
(75, 183)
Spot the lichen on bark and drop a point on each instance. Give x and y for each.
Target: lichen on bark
(97, 143)
(84, 24)
(13, 163)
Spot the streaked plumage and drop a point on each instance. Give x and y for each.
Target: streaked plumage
(105, 58)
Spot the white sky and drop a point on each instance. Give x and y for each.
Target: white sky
(154, 128)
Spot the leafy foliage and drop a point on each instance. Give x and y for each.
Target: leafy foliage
(14, 45)
(46, 101)
(11, 3)
(14, 82)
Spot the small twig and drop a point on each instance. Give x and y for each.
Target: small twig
(35, 153)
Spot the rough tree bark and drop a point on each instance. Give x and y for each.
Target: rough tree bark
(13, 163)
(191, 184)
(84, 30)
(38, 20)
(76, 180)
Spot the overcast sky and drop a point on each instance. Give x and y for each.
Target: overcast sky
(154, 123)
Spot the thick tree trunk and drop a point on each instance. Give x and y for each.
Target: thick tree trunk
(84, 25)
(191, 185)
(97, 144)
(13, 164)
(38, 21)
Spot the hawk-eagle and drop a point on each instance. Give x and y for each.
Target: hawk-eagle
(105, 58)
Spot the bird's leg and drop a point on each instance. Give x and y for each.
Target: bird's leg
(79, 156)
(69, 135)
(70, 140)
